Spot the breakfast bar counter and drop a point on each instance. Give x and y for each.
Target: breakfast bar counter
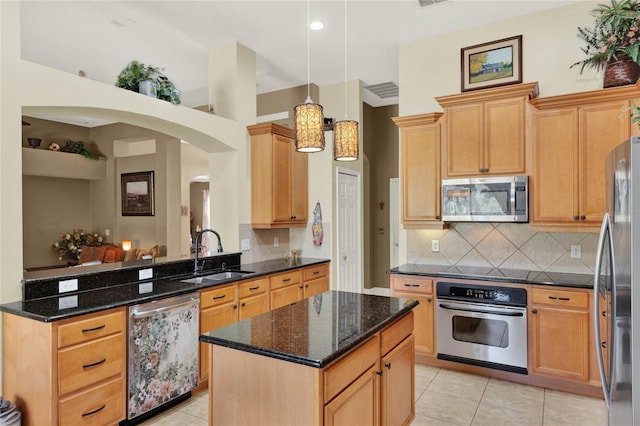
(323, 360)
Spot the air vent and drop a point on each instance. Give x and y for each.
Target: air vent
(383, 90)
(425, 3)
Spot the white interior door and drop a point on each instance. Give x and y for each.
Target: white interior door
(394, 221)
(349, 231)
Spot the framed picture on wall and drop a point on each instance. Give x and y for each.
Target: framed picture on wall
(492, 64)
(137, 194)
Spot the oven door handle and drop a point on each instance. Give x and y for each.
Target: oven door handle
(483, 311)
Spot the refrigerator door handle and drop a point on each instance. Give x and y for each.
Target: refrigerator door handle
(604, 231)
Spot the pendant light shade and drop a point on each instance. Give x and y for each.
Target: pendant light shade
(345, 140)
(309, 126)
(308, 118)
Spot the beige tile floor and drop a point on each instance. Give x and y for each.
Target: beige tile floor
(445, 397)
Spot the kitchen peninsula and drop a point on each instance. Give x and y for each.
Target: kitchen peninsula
(334, 358)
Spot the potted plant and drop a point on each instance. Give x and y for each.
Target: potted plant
(148, 80)
(613, 44)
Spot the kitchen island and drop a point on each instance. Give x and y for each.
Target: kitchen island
(334, 358)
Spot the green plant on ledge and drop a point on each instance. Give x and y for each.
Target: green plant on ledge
(634, 112)
(614, 35)
(135, 73)
(77, 147)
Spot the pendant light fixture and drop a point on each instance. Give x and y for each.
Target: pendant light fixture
(345, 132)
(308, 117)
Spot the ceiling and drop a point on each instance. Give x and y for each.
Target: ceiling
(99, 38)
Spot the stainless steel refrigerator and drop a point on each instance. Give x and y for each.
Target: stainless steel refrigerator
(616, 286)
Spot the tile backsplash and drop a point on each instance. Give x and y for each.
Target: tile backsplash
(505, 245)
(261, 243)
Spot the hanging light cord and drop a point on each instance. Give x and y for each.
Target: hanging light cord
(308, 62)
(345, 59)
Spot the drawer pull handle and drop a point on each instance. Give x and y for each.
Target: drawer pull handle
(411, 285)
(97, 410)
(316, 272)
(254, 288)
(89, 330)
(286, 280)
(102, 361)
(484, 170)
(559, 298)
(219, 297)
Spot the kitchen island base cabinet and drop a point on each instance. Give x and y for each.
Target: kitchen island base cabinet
(372, 384)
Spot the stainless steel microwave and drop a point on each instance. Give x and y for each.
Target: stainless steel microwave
(486, 199)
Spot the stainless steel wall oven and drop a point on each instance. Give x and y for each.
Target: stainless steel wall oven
(482, 325)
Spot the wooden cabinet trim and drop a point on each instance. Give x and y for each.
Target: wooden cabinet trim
(529, 90)
(594, 96)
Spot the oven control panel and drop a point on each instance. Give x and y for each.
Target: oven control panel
(512, 296)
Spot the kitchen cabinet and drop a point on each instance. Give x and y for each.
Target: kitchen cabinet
(559, 333)
(74, 368)
(420, 170)
(315, 280)
(421, 289)
(279, 178)
(571, 136)
(286, 288)
(485, 131)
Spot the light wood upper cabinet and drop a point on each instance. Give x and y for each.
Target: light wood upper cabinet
(571, 136)
(420, 169)
(279, 176)
(485, 131)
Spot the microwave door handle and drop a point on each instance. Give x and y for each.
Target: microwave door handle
(604, 231)
(482, 311)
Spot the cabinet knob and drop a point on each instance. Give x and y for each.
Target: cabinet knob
(235, 306)
(583, 217)
(293, 217)
(429, 299)
(437, 217)
(243, 304)
(483, 170)
(388, 365)
(576, 217)
(604, 345)
(379, 372)
(604, 313)
(534, 311)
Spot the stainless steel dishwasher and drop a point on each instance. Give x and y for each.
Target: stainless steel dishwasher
(163, 353)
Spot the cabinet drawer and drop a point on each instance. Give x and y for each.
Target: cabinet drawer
(561, 298)
(251, 288)
(88, 363)
(348, 368)
(396, 333)
(218, 296)
(315, 272)
(286, 279)
(405, 283)
(101, 405)
(88, 329)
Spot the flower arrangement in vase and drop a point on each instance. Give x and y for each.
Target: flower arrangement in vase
(613, 44)
(69, 246)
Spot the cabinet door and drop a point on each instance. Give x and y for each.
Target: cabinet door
(286, 295)
(464, 139)
(602, 127)
(210, 319)
(560, 342)
(281, 179)
(299, 185)
(397, 386)
(504, 137)
(420, 178)
(358, 404)
(423, 325)
(252, 306)
(317, 286)
(555, 175)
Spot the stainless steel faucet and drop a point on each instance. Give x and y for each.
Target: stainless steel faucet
(196, 267)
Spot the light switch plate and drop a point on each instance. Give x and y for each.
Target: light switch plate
(145, 274)
(435, 246)
(67, 285)
(245, 244)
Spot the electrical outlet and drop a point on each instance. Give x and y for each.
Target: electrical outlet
(145, 288)
(435, 246)
(107, 232)
(145, 274)
(67, 285)
(68, 302)
(576, 251)
(245, 245)
(276, 241)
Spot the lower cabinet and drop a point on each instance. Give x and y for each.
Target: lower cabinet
(559, 327)
(74, 369)
(290, 287)
(421, 289)
(358, 403)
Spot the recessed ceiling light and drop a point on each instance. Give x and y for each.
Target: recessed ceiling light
(316, 25)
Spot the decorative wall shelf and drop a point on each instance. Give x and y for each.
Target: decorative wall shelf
(42, 162)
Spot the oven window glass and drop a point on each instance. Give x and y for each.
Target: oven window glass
(481, 331)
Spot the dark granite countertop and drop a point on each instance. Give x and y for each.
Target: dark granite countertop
(313, 331)
(67, 305)
(518, 276)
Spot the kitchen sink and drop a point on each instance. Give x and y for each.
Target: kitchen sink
(219, 276)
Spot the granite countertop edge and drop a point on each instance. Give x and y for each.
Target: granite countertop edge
(310, 362)
(44, 309)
